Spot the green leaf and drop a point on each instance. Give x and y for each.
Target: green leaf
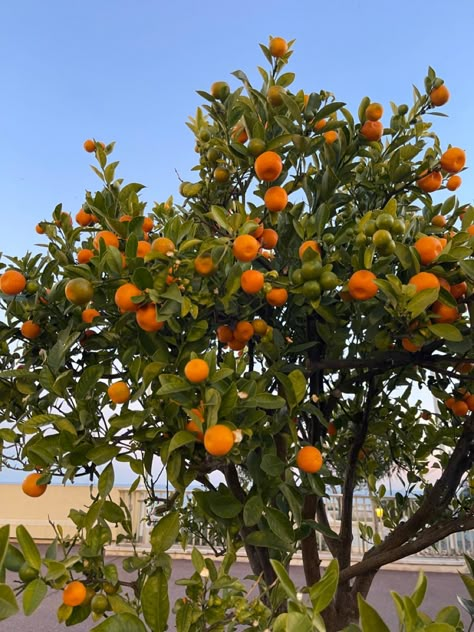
(284, 579)
(197, 560)
(33, 595)
(299, 384)
(164, 534)
(142, 278)
(223, 503)
(4, 538)
(322, 592)
(448, 332)
(449, 615)
(266, 539)
(106, 481)
(182, 437)
(253, 509)
(155, 601)
(8, 604)
(28, 547)
(269, 401)
(119, 605)
(88, 381)
(370, 619)
(418, 593)
(103, 454)
(55, 569)
(469, 583)
(418, 304)
(120, 623)
(184, 618)
(439, 627)
(171, 384)
(272, 465)
(279, 524)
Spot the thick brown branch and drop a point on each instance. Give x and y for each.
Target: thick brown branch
(439, 496)
(345, 532)
(427, 537)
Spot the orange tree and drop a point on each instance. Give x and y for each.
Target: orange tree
(273, 329)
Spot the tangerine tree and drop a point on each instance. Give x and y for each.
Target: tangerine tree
(264, 341)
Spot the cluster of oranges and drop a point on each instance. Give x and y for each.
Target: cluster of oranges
(238, 336)
(372, 128)
(461, 404)
(452, 161)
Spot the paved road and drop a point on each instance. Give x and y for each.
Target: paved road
(442, 591)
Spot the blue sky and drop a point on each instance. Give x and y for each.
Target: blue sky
(123, 71)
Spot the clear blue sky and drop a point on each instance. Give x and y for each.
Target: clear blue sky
(128, 71)
(125, 71)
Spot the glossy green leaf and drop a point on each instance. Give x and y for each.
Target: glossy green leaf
(33, 595)
(28, 547)
(120, 623)
(155, 601)
(164, 534)
(322, 592)
(370, 620)
(8, 604)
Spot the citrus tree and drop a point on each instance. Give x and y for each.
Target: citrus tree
(264, 341)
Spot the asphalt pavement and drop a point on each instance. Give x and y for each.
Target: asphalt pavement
(442, 591)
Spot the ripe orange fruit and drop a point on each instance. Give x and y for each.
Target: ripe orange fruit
(252, 281)
(445, 284)
(440, 95)
(361, 285)
(109, 238)
(79, 291)
(192, 426)
(446, 313)
(74, 593)
(245, 248)
(332, 430)
(309, 459)
(146, 318)
(276, 297)
(320, 124)
(119, 392)
(123, 297)
(460, 408)
(470, 402)
(470, 229)
(429, 248)
(88, 315)
(224, 334)
(125, 218)
(430, 182)
(239, 134)
(458, 290)
(83, 218)
(258, 232)
(439, 220)
(410, 346)
(374, 112)
(260, 327)
(236, 345)
(39, 229)
(30, 486)
(143, 248)
(372, 130)
(331, 136)
(453, 183)
(276, 199)
(147, 225)
(12, 282)
(84, 255)
(269, 238)
(453, 160)
(30, 330)
(278, 47)
(424, 280)
(243, 331)
(196, 370)
(89, 146)
(163, 245)
(310, 243)
(204, 265)
(268, 166)
(218, 440)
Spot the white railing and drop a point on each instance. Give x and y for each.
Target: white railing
(364, 512)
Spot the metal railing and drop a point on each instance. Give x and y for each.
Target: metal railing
(364, 513)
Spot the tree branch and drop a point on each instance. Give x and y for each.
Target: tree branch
(309, 544)
(427, 537)
(332, 543)
(345, 532)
